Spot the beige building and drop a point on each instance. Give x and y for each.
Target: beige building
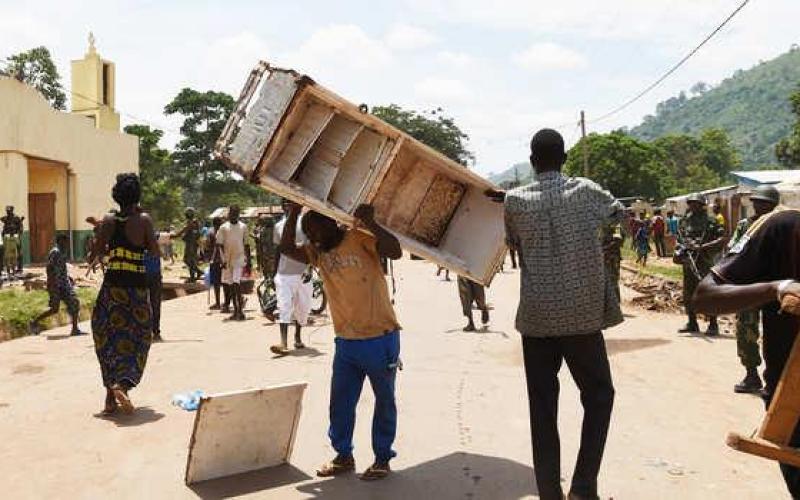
(58, 168)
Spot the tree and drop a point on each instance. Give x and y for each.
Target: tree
(37, 69)
(788, 149)
(718, 153)
(697, 178)
(204, 116)
(162, 195)
(712, 150)
(431, 128)
(622, 164)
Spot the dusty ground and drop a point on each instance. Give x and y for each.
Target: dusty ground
(463, 414)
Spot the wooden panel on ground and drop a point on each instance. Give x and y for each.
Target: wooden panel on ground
(298, 142)
(243, 431)
(322, 165)
(436, 210)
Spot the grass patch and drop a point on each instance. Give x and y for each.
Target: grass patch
(656, 269)
(18, 308)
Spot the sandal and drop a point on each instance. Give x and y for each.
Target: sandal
(375, 472)
(110, 407)
(336, 467)
(279, 350)
(122, 399)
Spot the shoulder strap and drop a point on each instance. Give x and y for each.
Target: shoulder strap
(754, 227)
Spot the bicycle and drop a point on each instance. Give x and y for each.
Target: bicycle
(268, 298)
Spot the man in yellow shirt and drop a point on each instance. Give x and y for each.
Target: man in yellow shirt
(367, 331)
(718, 216)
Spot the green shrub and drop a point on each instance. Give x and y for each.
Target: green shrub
(18, 308)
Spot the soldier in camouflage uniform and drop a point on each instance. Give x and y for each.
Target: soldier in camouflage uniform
(191, 236)
(700, 238)
(612, 254)
(764, 199)
(265, 246)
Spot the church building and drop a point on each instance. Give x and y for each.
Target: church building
(57, 168)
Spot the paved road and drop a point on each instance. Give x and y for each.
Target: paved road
(463, 413)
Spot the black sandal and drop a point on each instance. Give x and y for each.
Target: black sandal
(335, 467)
(375, 472)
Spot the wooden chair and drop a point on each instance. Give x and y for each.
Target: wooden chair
(772, 439)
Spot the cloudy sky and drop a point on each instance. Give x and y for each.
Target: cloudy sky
(502, 68)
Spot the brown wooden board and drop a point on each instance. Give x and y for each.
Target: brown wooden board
(325, 157)
(408, 197)
(298, 144)
(765, 449)
(436, 210)
(355, 167)
(784, 411)
(42, 210)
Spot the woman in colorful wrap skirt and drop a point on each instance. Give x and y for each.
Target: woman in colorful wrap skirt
(121, 321)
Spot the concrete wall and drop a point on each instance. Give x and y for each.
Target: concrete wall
(31, 128)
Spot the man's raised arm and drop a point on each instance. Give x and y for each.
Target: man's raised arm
(288, 245)
(388, 246)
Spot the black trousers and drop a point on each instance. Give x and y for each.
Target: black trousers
(661, 248)
(587, 361)
(154, 284)
(777, 344)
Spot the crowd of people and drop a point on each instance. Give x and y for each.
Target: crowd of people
(569, 293)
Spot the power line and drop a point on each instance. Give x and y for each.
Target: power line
(674, 68)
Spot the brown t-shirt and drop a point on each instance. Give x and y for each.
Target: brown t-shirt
(355, 286)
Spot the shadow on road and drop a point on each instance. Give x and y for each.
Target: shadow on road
(617, 346)
(462, 476)
(249, 482)
(142, 415)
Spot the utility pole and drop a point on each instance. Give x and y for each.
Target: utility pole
(584, 145)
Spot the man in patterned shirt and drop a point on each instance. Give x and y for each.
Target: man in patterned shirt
(59, 287)
(565, 302)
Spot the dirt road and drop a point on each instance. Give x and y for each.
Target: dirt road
(463, 430)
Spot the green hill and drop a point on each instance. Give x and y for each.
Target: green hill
(752, 106)
(523, 172)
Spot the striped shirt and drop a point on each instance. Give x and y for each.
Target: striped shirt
(556, 223)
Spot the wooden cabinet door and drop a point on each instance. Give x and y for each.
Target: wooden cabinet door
(42, 212)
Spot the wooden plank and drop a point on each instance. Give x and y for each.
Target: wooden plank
(784, 411)
(316, 116)
(243, 431)
(408, 197)
(322, 165)
(436, 210)
(765, 449)
(355, 169)
(261, 120)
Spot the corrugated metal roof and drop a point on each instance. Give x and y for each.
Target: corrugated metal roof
(706, 192)
(757, 177)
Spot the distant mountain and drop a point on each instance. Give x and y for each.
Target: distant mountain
(752, 106)
(523, 171)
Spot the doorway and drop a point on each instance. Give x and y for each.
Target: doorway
(42, 210)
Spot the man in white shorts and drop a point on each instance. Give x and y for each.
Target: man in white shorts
(294, 293)
(230, 242)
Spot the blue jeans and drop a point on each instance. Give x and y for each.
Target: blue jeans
(354, 360)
